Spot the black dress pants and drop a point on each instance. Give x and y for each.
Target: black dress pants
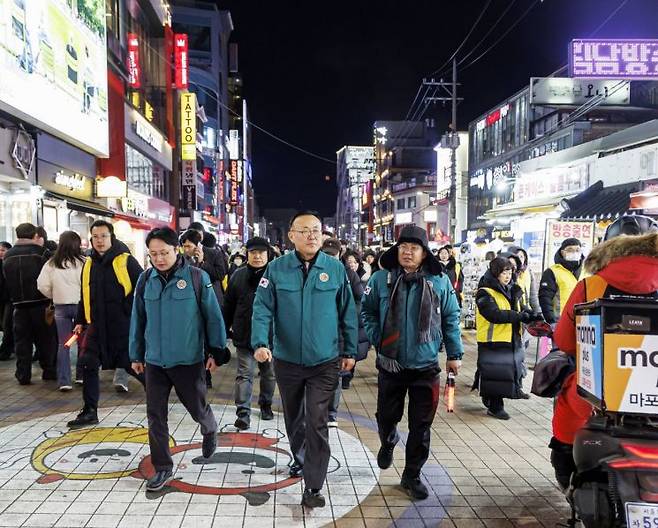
(7, 345)
(305, 396)
(423, 389)
(189, 382)
(31, 329)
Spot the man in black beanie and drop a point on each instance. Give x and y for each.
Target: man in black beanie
(238, 303)
(559, 280)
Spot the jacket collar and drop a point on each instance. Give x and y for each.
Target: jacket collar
(293, 262)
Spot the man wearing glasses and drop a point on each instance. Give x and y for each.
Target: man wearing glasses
(174, 315)
(108, 282)
(305, 296)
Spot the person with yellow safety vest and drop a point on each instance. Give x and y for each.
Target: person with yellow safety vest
(452, 269)
(108, 283)
(499, 314)
(559, 280)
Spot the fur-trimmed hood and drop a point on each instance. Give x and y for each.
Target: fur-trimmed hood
(628, 263)
(621, 246)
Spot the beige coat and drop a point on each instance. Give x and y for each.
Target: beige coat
(61, 285)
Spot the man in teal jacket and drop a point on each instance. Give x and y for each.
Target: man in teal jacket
(305, 296)
(173, 314)
(410, 311)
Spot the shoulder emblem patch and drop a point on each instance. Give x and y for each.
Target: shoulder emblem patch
(181, 284)
(367, 290)
(324, 277)
(264, 283)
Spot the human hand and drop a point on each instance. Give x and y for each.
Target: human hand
(453, 365)
(526, 317)
(77, 329)
(263, 354)
(347, 364)
(138, 367)
(198, 254)
(211, 365)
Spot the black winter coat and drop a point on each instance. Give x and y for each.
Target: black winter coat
(363, 344)
(105, 341)
(500, 365)
(457, 280)
(238, 304)
(21, 267)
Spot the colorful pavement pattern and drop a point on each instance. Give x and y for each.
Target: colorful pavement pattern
(482, 472)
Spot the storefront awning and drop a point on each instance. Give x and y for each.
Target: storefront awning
(606, 202)
(75, 204)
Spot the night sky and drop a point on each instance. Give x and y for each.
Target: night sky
(318, 74)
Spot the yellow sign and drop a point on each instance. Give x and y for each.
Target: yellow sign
(188, 125)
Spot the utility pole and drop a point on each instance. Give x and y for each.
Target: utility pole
(449, 140)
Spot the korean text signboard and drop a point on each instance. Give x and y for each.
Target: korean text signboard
(588, 355)
(188, 184)
(188, 125)
(134, 70)
(181, 62)
(559, 230)
(629, 59)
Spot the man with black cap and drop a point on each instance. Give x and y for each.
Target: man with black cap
(559, 280)
(304, 296)
(238, 307)
(410, 310)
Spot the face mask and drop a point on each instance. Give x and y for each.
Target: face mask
(573, 257)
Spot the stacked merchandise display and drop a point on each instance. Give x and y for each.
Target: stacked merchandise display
(474, 267)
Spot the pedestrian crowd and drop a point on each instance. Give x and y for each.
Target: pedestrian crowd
(303, 319)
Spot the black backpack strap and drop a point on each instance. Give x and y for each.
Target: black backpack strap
(196, 284)
(141, 283)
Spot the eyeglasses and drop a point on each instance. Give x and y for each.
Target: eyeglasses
(308, 232)
(161, 254)
(101, 237)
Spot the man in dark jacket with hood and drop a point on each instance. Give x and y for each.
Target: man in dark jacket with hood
(108, 283)
(410, 311)
(559, 280)
(21, 267)
(238, 309)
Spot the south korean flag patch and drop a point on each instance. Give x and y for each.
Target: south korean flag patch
(264, 283)
(367, 290)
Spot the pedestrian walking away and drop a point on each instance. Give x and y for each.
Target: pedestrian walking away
(6, 310)
(107, 289)
(21, 267)
(237, 310)
(409, 309)
(60, 280)
(305, 295)
(174, 315)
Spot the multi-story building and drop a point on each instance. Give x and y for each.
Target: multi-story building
(205, 30)
(405, 178)
(354, 170)
(547, 116)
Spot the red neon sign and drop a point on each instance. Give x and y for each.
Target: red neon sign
(134, 71)
(206, 174)
(493, 117)
(181, 62)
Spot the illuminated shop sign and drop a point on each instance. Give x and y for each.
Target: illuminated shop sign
(134, 71)
(234, 182)
(630, 59)
(182, 63)
(73, 182)
(188, 125)
(493, 117)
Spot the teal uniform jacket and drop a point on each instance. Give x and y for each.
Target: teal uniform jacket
(413, 355)
(166, 327)
(305, 316)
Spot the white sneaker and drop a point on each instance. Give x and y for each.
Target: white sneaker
(332, 424)
(65, 388)
(120, 387)
(79, 381)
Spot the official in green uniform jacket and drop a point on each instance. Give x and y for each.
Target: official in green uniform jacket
(305, 296)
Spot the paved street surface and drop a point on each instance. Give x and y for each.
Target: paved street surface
(482, 472)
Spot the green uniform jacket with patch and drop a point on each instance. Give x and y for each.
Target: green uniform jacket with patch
(167, 327)
(306, 315)
(413, 355)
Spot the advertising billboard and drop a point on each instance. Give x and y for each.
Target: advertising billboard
(188, 125)
(53, 65)
(629, 59)
(568, 91)
(182, 65)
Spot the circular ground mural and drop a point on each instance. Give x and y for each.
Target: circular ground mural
(246, 479)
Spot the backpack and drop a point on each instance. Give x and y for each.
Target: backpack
(224, 356)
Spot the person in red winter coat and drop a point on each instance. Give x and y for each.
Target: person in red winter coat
(622, 265)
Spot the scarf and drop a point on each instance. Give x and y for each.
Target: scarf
(429, 318)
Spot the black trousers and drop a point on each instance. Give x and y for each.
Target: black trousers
(91, 388)
(7, 345)
(31, 329)
(305, 396)
(189, 382)
(423, 389)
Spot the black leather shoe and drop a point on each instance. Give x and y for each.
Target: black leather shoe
(242, 423)
(312, 499)
(87, 416)
(296, 470)
(23, 381)
(49, 375)
(415, 488)
(501, 414)
(385, 456)
(209, 445)
(345, 383)
(159, 480)
(266, 412)
(524, 395)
